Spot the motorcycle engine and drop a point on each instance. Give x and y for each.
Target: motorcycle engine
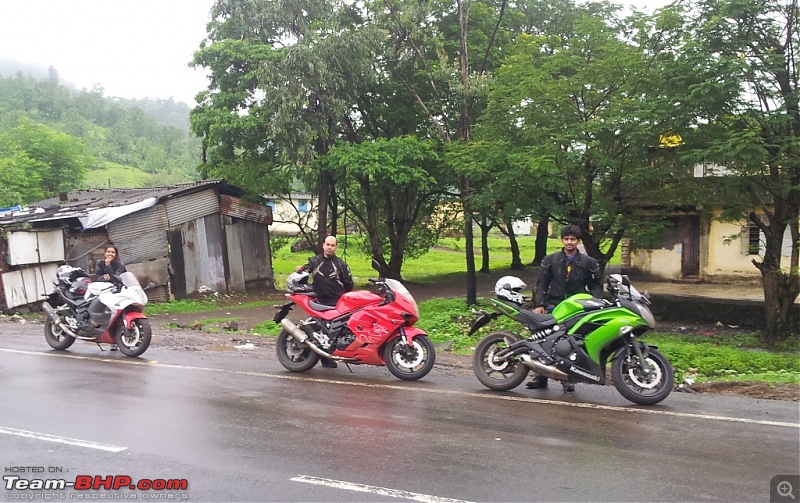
(79, 321)
(345, 339)
(564, 349)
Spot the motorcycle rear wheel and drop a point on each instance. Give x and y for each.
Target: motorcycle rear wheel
(293, 355)
(135, 341)
(57, 338)
(498, 375)
(409, 362)
(639, 388)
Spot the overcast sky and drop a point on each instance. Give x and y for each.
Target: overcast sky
(133, 48)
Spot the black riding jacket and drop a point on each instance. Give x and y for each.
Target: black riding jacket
(330, 278)
(555, 282)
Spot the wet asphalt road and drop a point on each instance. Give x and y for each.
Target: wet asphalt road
(237, 427)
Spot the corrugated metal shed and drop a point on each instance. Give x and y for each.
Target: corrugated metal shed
(188, 207)
(252, 212)
(142, 235)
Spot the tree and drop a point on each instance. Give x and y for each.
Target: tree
(393, 188)
(737, 65)
(57, 159)
(283, 78)
(577, 108)
(441, 60)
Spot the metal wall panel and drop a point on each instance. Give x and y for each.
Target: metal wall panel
(28, 285)
(185, 208)
(35, 247)
(253, 212)
(235, 265)
(202, 254)
(141, 236)
(248, 254)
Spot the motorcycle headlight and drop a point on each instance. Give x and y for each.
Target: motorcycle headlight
(645, 313)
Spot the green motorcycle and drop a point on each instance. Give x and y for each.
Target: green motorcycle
(574, 343)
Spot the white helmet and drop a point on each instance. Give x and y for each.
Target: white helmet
(66, 274)
(297, 282)
(509, 288)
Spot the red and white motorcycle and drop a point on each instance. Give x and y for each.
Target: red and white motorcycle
(110, 312)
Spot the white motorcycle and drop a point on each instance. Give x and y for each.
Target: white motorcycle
(110, 312)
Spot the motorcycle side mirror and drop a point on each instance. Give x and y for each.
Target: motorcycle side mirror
(626, 280)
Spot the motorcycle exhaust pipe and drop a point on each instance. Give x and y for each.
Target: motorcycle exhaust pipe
(302, 337)
(542, 369)
(54, 318)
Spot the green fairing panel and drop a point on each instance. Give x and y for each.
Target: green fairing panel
(570, 306)
(504, 308)
(609, 322)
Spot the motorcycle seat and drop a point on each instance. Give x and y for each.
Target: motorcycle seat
(316, 306)
(541, 321)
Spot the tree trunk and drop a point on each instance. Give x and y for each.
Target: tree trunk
(485, 228)
(778, 302)
(780, 288)
(472, 280)
(324, 199)
(516, 260)
(542, 234)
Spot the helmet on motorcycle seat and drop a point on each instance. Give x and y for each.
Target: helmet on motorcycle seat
(509, 288)
(64, 274)
(78, 287)
(297, 282)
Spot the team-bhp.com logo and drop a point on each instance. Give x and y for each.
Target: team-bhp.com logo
(156, 488)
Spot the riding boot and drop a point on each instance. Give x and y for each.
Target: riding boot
(538, 382)
(328, 363)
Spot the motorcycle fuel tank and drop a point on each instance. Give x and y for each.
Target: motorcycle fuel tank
(352, 300)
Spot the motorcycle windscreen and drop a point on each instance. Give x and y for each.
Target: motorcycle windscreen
(129, 280)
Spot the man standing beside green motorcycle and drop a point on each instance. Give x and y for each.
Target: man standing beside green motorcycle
(562, 274)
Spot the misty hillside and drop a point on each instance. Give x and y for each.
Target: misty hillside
(103, 141)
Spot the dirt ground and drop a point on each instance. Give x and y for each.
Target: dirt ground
(189, 332)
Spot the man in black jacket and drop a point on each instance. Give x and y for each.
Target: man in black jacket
(330, 278)
(562, 274)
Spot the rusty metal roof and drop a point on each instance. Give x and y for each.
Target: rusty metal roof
(78, 203)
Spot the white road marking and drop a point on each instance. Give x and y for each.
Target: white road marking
(381, 491)
(485, 396)
(61, 440)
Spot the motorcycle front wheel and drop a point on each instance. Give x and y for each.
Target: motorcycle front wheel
(638, 387)
(57, 338)
(498, 374)
(409, 362)
(293, 355)
(135, 341)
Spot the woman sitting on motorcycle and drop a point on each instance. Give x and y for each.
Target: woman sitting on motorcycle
(109, 266)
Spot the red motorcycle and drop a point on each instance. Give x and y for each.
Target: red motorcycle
(362, 328)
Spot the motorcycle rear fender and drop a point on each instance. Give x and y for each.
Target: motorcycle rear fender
(283, 311)
(481, 321)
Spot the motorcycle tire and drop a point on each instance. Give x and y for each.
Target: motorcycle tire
(293, 355)
(499, 376)
(135, 341)
(57, 338)
(409, 362)
(639, 389)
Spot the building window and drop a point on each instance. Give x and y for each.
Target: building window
(753, 239)
(302, 205)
